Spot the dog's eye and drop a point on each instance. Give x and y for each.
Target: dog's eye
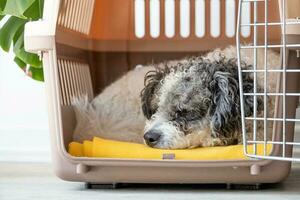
(180, 113)
(201, 112)
(186, 115)
(192, 116)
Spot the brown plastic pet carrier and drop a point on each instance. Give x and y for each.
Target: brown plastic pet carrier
(86, 44)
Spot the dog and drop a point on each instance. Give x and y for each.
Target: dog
(193, 102)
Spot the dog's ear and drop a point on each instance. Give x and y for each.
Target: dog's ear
(248, 87)
(225, 115)
(225, 110)
(149, 93)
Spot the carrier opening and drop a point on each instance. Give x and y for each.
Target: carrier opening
(94, 49)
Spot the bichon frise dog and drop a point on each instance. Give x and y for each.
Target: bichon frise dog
(178, 104)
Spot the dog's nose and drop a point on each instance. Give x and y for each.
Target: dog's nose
(152, 137)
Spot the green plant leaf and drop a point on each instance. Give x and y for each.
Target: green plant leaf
(8, 31)
(34, 73)
(17, 34)
(17, 7)
(41, 7)
(20, 12)
(29, 58)
(2, 5)
(37, 73)
(34, 12)
(20, 63)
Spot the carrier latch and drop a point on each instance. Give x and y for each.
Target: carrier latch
(168, 156)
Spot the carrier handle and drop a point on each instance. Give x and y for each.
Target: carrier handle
(39, 36)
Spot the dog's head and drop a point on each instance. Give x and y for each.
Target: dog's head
(188, 104)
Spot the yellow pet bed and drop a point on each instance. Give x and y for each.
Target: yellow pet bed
(102, 148)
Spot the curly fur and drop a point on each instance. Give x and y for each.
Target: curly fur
(195, 96)
(190, 102)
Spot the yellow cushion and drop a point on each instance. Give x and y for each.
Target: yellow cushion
(102, 148)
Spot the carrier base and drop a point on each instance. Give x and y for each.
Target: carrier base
(102, 185)
(228, 186)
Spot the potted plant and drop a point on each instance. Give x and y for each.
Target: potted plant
(16, 13)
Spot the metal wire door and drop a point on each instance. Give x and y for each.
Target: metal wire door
(276, 142)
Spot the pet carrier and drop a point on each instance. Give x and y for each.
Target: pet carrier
(86, 44)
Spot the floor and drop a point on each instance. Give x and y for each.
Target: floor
(30, 181)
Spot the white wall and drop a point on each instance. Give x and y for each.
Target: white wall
(23, 116)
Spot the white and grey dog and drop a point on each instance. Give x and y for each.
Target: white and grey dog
(177, 104)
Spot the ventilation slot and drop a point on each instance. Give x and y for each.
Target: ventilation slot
(184, 18)
(139, 18)
(170, 18)
(246, 19)
(166, 15)
(75, 80)
(200, 18)
(230, 18)
(76, 15)
(215, 18)
(154, 18)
